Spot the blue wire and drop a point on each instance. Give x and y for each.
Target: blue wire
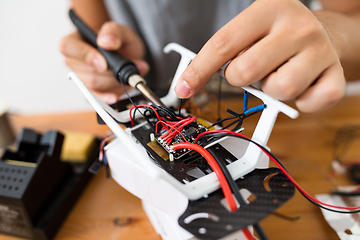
(245, 101)
(105, 159)
(106, 165)
(255, 109)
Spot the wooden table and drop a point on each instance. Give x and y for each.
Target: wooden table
(303, 145)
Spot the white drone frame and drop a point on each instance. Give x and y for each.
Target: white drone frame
(132, 169)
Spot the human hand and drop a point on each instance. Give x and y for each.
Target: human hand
(280, 42)
(91, 67)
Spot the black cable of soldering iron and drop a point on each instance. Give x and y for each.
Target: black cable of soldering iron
(278, 161)
(235, 189)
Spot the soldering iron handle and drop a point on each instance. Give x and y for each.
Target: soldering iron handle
(122, 68)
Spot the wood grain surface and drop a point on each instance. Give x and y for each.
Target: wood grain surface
(107, 211)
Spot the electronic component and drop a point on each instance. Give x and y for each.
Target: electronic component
(167, 188)
(37, 190)
(182, 168)
(187, 134)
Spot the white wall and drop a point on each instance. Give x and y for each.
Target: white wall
(32, 71)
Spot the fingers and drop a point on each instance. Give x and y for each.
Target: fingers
(142, 66)
(259, 60)
(326, 91)
(230, 40)
(279, 42)
(104, 82)
(296, 75)
(91, 67)
(107, 97)
(73, 46)
(111, 37)
(118, 37)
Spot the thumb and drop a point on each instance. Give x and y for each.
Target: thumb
(109, 36)
(113, 37)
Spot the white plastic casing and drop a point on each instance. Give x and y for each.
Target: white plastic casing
(132, 169)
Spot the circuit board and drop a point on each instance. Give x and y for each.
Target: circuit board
(187, 134)
(180, 168)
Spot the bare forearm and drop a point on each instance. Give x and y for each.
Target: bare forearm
(93, 12)
(344, 32)
(342, 20)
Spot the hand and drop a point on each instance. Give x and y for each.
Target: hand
(280, 42)
(91, 67)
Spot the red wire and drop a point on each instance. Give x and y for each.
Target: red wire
(131, 119)
(284, 171)
(215, 167)
(248, 234)
(172, 134)
(144, 105)
(174, 129)
(175, 125)
(101, 151)
(220, 175)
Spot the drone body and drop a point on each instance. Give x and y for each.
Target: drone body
(180, 191)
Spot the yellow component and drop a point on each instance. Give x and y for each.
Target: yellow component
(77, 147)
(205, 123)
(20, 163)
(154, 145)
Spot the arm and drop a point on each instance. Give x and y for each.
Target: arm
(342, 20)
(93, 12)
(295, 52)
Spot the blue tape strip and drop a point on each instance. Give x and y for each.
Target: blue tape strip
(255, 109)
(245, 101)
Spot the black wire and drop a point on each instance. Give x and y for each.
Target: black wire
(169, 113)
(260, 231)
(123, 86)
(181, 101)
(239, 120)
(278, 161)
(147, 118)
(238, 126)
(235, 189)
(107, 168)
(346, 194)
(219, 99)
(163, 109)
(229, 125)
(223, 120)
(152, 126)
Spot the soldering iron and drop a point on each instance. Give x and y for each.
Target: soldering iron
(124, 70)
